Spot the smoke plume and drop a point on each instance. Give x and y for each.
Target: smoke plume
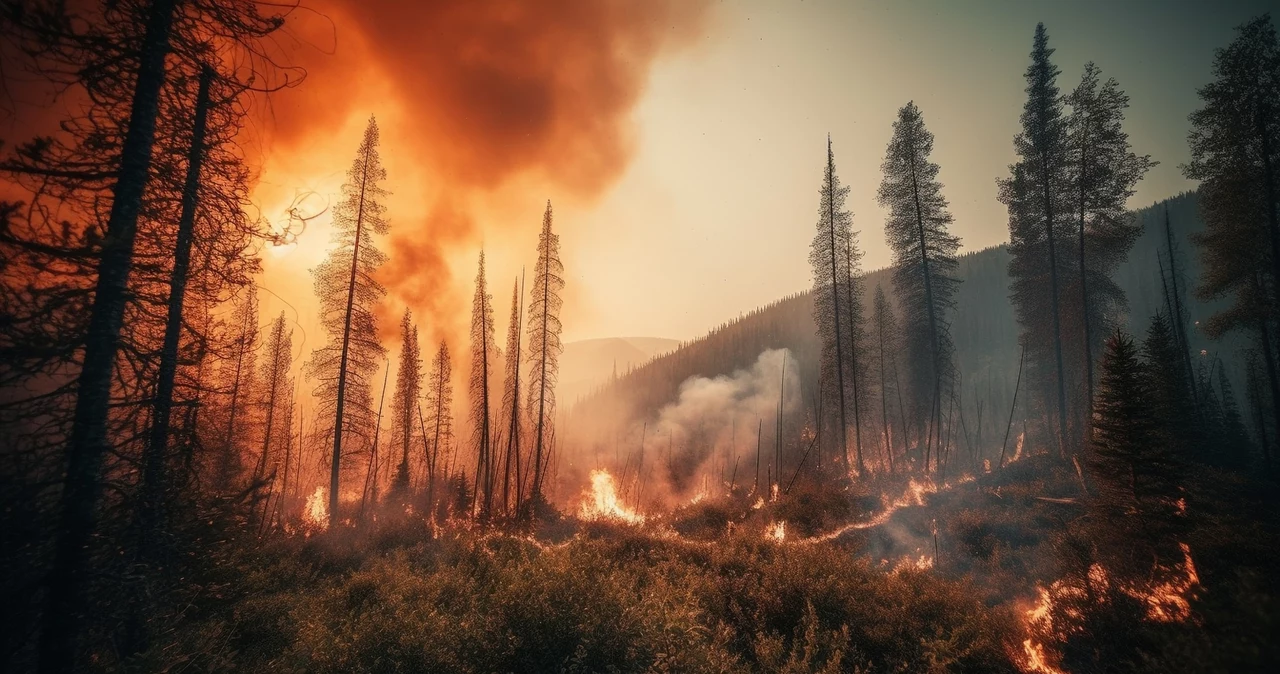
(488, 110)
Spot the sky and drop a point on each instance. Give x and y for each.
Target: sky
(687, 192)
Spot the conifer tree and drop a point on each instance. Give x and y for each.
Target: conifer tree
(438, 425)
(482, 364)
(544, 350)
(858, 378)
(348, 291)
(1235, 154)
(1035, 195)
(239, 384)
(276, 385)
(1134, 473)
(404, 404)
(924, 262)
(1170, 393)
(829, 260)
(1102, 173)
(1234, 447)
(511, 408)
(886, 336)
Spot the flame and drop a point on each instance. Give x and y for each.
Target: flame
(602, 502)
(1017, 448)
(1036, 661)
(1167, 601)
(758, 504)
(315, 515)
(777, 531)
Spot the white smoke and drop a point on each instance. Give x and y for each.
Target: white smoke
(716, 419)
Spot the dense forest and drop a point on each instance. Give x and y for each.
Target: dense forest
(1052, 455)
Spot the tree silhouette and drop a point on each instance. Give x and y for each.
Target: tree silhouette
(924, 262)
(239, 383)
(544, 349)
(1102, 173)
(511, 407)
(885, 333)
(830, 261)
(275, 402)
(404, 404)
(482, 362)
(1235, 154)
(1035, 194)
(438, 424)
(347, 290)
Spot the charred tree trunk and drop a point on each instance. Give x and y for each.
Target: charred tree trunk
(151, 506)
(88, 444)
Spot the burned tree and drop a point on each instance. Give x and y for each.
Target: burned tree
(544, 350)
(348, 291)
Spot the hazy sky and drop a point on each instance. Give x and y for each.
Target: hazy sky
(714, 214)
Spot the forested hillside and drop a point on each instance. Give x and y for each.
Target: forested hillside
(984, 327)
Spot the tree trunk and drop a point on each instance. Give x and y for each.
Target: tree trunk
(88, 444)
(151, 506)
(336, 466)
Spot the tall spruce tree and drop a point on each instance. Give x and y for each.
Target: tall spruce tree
(239, 384)
(885, 335)
(438, 424)
(483, 360)
(924, 263)
(404, 404)
(544, 350)
(1134, 473)
(1235, 154)
(511, 408)
(1171, 401)
(1036, 196)
(276, 385)
(858, 379)
(348, 291)
(1102, 174)
(829, 260)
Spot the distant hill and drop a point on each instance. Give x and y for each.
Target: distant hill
(588, 364)
(984, 326)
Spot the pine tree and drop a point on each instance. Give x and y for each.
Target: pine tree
(1035, 194)
(830, 261)
(438, 425)
(1170, 392)
(404, 404)
(239, 384)
(544, 350)
(1234, 447)
(511, 408)
(1102, 173)
(1134, 473)
(274, 396)
(1235, 154)
(348, 291)
(924, 262)
(886, 336)
(858, 378)
(482, 364)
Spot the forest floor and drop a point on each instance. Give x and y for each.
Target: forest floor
(886, 575)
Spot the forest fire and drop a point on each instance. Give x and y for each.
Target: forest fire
(315, 514)
(776, 531)
(1167, 600)
(601, 502)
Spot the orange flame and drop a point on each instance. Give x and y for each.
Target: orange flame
(316, 513)
(777, 531)
(601, 501)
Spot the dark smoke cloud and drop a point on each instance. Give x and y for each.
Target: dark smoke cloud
(540, 91)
